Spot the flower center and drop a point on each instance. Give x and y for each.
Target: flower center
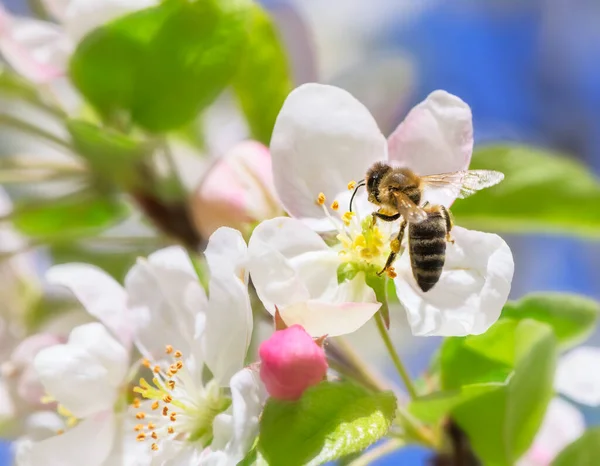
(362, 242)
(178, 406)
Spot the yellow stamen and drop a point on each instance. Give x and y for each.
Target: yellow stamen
(151, 426)
(173, 417)
(156, 369)
(141, 437)
(154, 447)
(335, 205)
(347, 218)
(170, 430)
(168, 349)
(167, 398)
(171, 384)
(165, 411)
(391, 273)
(146, 363)
(154, 435)
(155, 405)
(178, 354)
(136, 403)
(140, 415)
(138, 427)
(351, 185)
(321, 199)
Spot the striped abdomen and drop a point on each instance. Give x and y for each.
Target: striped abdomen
(427, 247)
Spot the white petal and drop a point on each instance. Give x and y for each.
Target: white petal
(7, 407)
(273, 245)
(435, 137)
(99, 293)
(577, 375)
(165, 291)
(85, 374)
(562, 425)
(248, 397)
(226, 254)
(56, 8)
(323, 138)
(81, 16)
(89, 443)
(38, 50)
(43, 424)
(471, 292)
(351, 305)
(228, 325)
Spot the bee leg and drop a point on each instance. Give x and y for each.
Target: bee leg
(449, 224)
(384, 217)
(395, 246)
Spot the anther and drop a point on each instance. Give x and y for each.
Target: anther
(351, 185)
(178, 354)
(391, 273)
(171, 384)
(321, 199)
(167, 398)
(170, 430)
(141, 437)
(179, 365)
(151, 426)
(60, 432)
(154, 435)
(168, 349)
(146, 363)
(173, 417)
(140, 415)
(173, 368)
(156, 369)
(347, 218)
(136, 403)
(335, 205)
(154, 447)
(155, 405)
(165, 411)
(138, 427)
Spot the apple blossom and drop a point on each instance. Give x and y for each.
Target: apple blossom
(236, 191)
(40, 50)
(291, 362)
(322, 140)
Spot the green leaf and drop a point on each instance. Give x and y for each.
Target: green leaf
(73, 216)
(331, 420)
(571, 317)
(263, 80)
(542, 192)
(501, 424)
(112, 155)
(584, 451)
(161, 66)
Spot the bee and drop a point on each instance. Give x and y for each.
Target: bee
(398, 192)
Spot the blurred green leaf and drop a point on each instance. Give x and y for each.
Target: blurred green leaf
(542, 192)
(69, 217)
(112, 155)
(263, 80)
(161, 66)
(331, 420)
(584, 451)
(501, 424)
(572, 318)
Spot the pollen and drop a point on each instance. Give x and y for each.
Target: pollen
(335, 205)
(179, 365)
(173, 417)
(136, 403)
(138, 427)
(155, 405)
(321, 199)
(165, 411)
(170, 430)
(154, 435)
(171, 384)
(351, 185)
(156, 369)
(168, 349)
(146, 363)
(151, 426)
(390, 272)
(347, 218)
(140, 415)
(154, 447)
(141, 437)
(167, 398)
(178, 354)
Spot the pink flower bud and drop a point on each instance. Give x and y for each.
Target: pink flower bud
(237, 190)
(291, 362)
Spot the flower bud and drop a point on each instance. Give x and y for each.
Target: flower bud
(237, 191)
(291, 362)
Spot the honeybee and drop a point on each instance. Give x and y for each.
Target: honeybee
(398, 193)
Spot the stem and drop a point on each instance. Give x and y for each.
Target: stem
(358, 365)
(375, 453)
(32, 130)
(394, 355)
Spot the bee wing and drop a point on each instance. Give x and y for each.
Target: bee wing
(408, 209)
(463, 183)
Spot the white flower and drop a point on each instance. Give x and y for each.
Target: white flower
(40, 50)
(323, 139)
(578, 375)
(164, 310)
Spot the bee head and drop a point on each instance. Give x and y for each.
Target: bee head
(373, 178)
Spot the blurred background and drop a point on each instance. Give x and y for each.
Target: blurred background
(529, 69)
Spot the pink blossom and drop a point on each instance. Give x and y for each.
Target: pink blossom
(237, 191)
(291, 362)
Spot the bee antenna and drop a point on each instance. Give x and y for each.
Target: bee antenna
(359, 185)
